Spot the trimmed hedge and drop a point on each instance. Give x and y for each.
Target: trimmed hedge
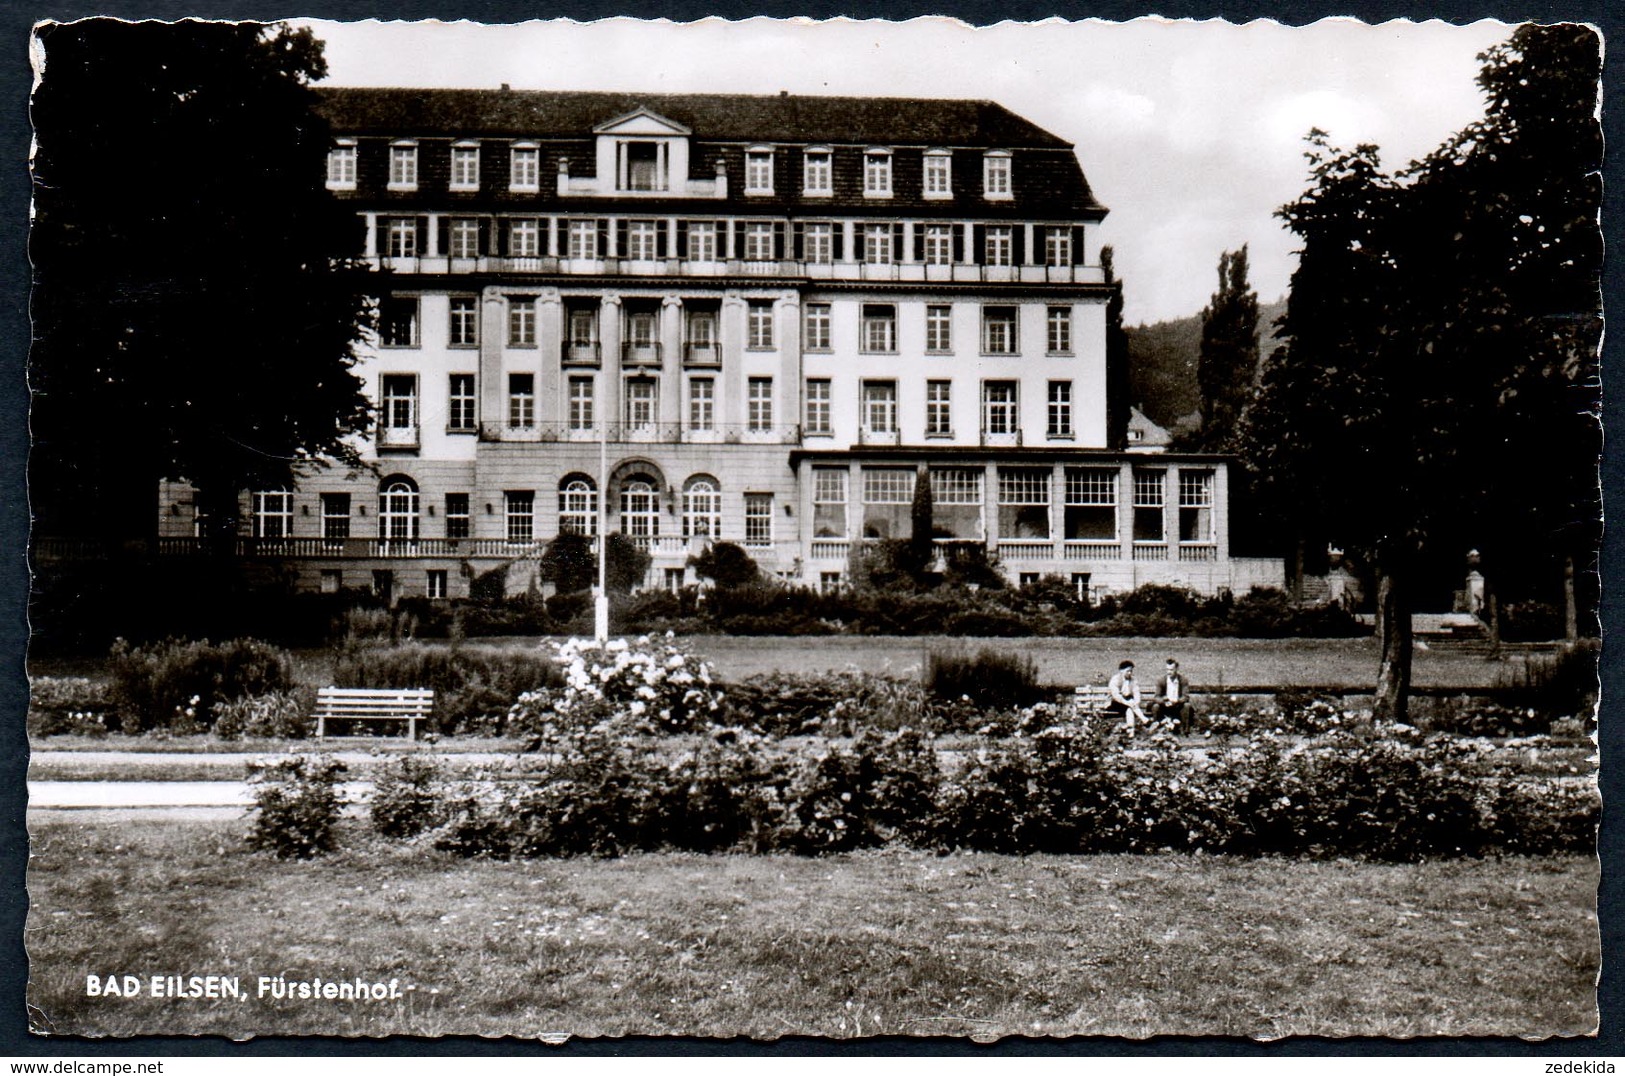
(175, 685)
(474, 687)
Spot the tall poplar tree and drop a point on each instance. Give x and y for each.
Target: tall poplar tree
(1228, 362)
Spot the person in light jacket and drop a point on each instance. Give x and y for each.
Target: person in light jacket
(1125, 697)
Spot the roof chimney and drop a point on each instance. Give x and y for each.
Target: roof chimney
(784, 93)
(505, 87)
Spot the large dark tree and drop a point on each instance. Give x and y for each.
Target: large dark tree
(1438, 389)
(1117, 380)
(1227, 365)
(197, 300)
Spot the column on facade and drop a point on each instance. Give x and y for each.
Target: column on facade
(671, 361)
(1031, 254)
(1170, 511)
(492, 413)
(609, 341)
(372, 234)
(554, 226)
(1221, 512)
(968, 231)
(731, 407)
(431, 242)
(787, 399)
(1057, 509)
(990, 506)
(1125, 509)
(551, 403)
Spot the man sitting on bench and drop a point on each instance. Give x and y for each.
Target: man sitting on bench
(1172, 699)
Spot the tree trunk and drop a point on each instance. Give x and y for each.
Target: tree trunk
(1394, 645)
(1571, 617)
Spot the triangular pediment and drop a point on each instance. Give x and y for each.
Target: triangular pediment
(641, 122)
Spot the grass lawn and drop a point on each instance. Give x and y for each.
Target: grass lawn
(898, 943)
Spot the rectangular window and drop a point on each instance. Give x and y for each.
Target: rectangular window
(640, 403)
(999, 330)
(643, 240)
(880, 407)
(702, 403)
(1091, 504)
(939, 244)
(460, 403)
(939, 408)
(335, 516)
(1058, 246)
(1024, 502)
(938, 175)
(643, 165)
(519, 506)
(877, 175)
(759, 172)
(435, 587)
(1000, 416)
(759, 404)
(465, 321)
(463, 237)
(583, 328)
(465, 168)
(939, 328)
(877, 244)
(524, 238)
(1058, 319)
(759, 324)
(521, 322)
(996, 176)
(956, 496)
(1148, 504)
(332, 580)
(1060, 409)
(879, 328)
(702, 241)
(815, 173)
(818, 243)
(523, 169)
(341, 167)
(815, 320)
(581, 403)
(403, 167)
(521, 400)
(457, 515)
(583, 239)
(998, 245)
(273, 514)
(759, 241)
(400, 402)
(403, 237)
(888, 497)
(1196, 506)
(398, 321)
(758, 519)
(818, 406)
(829, 502)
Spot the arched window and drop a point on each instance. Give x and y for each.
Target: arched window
(398, 510)
(702, 509)
(578, 506)
(640, 507)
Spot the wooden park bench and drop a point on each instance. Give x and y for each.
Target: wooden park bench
(409, 704)
(1089, 700)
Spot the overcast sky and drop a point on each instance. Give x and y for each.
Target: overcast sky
(1190, 132)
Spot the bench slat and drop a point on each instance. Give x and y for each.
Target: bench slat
(407, 704)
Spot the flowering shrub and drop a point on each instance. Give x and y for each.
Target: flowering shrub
(654, 686)
(882, 791)
(296, 805)
(155, 686)
(278, 715)
(67, 705)
(408, 797)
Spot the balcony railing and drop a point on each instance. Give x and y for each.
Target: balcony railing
(1091, 549)
(702, 354)
(827, 549)
(674, 433)
(580, 353)
(1026, 549)
(906, 272)
(359, 548)
(640, 354)
(1150, 551)
(1198, 552)
(398, 437)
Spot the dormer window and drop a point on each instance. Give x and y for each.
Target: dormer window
(341, 165)
(996, 176)
(643, 166)
(403, 166)
(816, 172)
(939, 174)
(465, 166)
(524, 168)
(759, 170)
(877, 173)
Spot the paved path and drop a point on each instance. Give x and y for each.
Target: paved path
(106, 794)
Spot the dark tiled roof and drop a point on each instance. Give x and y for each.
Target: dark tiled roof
(889, 121)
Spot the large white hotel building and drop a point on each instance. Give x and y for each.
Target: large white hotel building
(773, 311)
